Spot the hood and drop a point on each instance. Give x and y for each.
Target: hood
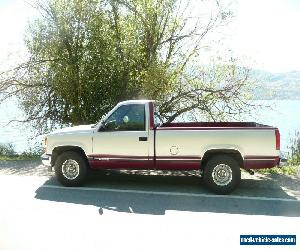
(75, 129)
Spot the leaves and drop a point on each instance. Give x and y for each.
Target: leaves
(88, 55)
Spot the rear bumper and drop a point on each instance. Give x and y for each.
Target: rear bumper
(46, 160)
(282, 162)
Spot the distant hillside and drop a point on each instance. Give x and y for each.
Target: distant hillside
(280, 86)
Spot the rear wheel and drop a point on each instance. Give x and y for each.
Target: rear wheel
(222, 174)
(71, 169)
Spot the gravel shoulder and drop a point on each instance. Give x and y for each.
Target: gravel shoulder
(26, 167)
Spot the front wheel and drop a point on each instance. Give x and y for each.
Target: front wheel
(71, 169)
(222, 174)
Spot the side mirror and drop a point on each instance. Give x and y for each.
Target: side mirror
(111, 125)
(102, 127)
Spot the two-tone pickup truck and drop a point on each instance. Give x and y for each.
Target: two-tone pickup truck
(129, 138)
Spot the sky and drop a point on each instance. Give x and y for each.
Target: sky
(268, 31)
(14, 16)
(264, 32)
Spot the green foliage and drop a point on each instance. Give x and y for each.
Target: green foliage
(19, 158)
(75, 65)
(7, 149)
(8, 153)
(287, 170)
(294, 158)
(88, 55)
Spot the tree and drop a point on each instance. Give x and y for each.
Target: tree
(87, 55)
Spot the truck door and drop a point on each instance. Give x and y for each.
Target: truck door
(122, 141)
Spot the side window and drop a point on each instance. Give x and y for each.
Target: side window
(126, 118)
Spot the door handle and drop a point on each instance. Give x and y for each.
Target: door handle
(143, 138)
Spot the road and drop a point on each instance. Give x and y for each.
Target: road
(127, 211)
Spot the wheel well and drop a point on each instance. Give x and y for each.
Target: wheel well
(59, 150)
(230, 152)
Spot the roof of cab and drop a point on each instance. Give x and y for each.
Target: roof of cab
(135, 102)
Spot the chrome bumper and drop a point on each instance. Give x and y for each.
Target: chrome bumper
(282, 162)
(46, 160)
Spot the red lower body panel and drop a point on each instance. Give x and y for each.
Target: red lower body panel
(120, 162)
(178, 163)
(170, 163)
(257, 162)
(137, 162)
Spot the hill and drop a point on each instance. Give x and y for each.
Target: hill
(277, 86)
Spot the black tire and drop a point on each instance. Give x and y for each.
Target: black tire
(73, 165)
(222, 174)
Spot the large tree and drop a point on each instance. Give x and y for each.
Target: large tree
(87, 55)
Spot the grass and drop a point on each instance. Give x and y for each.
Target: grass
(19, 157)
(286, 170)
(8, 153)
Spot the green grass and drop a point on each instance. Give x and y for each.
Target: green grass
(8, 153)
(19, 157)
(286, 170)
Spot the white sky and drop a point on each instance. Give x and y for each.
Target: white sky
(14, 16)
(266, 32)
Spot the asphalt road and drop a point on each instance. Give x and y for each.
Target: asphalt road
(117, 210)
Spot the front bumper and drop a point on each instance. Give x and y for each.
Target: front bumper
(46, 160)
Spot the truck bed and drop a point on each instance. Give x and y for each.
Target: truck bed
(251, 125)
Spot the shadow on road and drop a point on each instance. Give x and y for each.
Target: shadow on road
(145, 202)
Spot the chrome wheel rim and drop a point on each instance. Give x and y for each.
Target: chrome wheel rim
(222, 174)
(70, 169)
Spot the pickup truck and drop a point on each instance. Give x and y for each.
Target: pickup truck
(130, 138)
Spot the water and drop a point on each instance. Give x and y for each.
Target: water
(285, 115)
(16, 133)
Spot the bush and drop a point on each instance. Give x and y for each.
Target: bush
(7, 149)
(294, 156)
(33, 152)
(7, 152)
(287, 170)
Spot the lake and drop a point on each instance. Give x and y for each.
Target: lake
(285, 114)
